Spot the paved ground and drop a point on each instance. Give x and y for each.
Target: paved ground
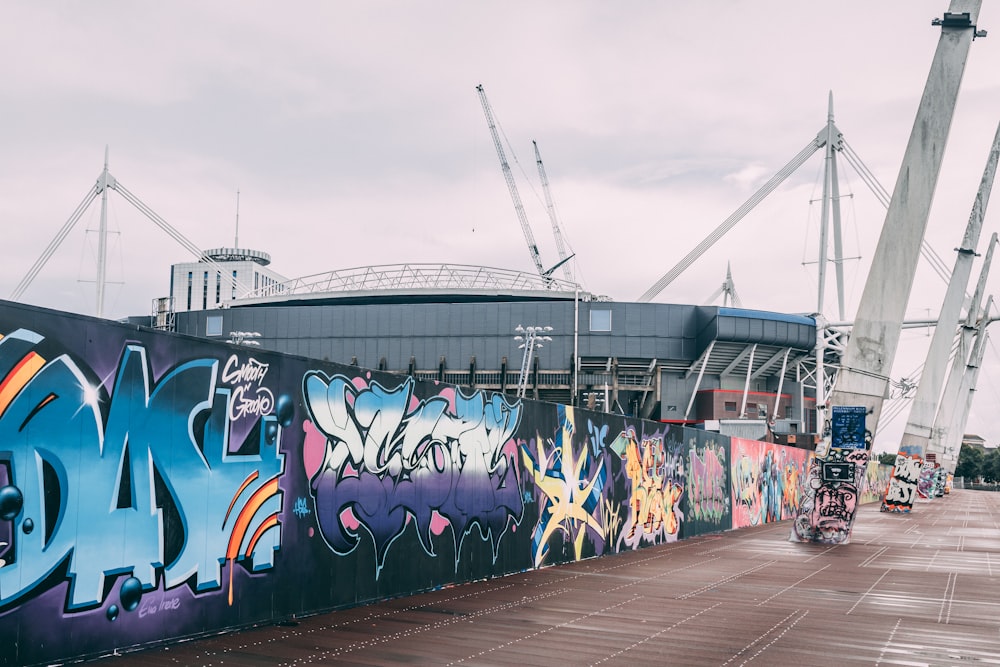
(917, 589)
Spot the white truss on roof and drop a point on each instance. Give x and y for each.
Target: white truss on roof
(415, 277)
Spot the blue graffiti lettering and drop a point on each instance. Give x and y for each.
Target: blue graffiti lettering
(301, 507)
(108, 519)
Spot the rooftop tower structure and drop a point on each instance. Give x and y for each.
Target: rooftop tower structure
(213, 281)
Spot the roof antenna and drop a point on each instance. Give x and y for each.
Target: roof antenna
(236, 243)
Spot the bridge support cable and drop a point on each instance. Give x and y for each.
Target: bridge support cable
(55, 243)
(933, 259)
(176, 235)
(738, 215)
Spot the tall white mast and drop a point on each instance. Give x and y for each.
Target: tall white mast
(103, 183)
(917, 434)
(967, 388)
(831, 204)
(863, 380)
(236, 241)
(941, 440)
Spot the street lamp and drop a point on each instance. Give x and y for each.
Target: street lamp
(530, 339)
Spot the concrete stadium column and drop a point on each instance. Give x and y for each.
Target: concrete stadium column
(827, 513)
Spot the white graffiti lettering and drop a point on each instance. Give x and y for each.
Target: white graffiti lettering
(245, 404)
(251, 372)
(249, 398)
(900, 492)
(907, 468)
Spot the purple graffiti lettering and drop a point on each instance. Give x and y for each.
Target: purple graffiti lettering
(925, 481)
(389, 457)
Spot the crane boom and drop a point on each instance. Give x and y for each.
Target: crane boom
(511, 186)
(556, 232)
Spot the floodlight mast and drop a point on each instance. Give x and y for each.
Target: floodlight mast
(511, 186)
(530, 339)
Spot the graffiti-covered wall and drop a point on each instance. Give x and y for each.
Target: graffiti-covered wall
(767, 481)
(155, 486)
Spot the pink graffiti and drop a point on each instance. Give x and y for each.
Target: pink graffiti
(707, 483)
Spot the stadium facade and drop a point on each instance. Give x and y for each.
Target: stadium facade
(742, 372)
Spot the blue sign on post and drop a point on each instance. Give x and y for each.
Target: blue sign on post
(847, 426)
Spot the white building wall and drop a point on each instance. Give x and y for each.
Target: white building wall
(197, 286)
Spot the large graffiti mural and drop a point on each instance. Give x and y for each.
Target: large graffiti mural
(380, 459)
(147, 455)
(708, 498)
(767, 482)
(655, 483)
(572, 505)
(156, 487)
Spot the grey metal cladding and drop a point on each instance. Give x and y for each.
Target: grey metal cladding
(458, 331)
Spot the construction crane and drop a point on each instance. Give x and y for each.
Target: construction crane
(550, 206)
(512, 187)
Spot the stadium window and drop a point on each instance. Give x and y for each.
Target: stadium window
(600, 320)
(213, 325)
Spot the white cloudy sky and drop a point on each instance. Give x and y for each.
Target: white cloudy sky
(355, 135)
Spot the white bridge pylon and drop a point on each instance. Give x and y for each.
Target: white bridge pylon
(104, 183)
(832, 140)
